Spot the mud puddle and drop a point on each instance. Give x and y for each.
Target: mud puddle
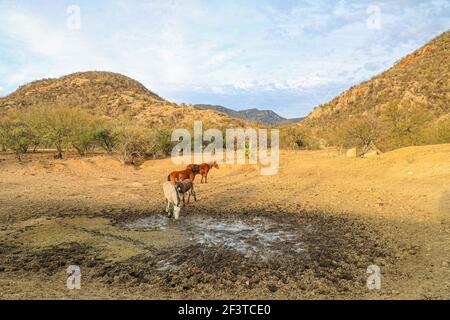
(253, 237)
(246, 254)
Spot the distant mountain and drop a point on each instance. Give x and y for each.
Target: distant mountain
(111, 95)
(295, 120)
(267, 117)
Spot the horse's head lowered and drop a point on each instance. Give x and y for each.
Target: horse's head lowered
(214, 164)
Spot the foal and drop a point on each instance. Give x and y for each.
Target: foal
(186, 187)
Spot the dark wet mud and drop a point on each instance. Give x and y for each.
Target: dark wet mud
(241, 255)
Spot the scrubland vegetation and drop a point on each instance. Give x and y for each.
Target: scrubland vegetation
(66, 128)
(63, 128)
(394, 127)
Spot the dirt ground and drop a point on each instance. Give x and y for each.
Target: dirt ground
(309, 232)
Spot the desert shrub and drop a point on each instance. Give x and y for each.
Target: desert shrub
(15, 134)
(61, 127)
(83, 132)
(3, 131)
(105, 138)
(134, 143)
(131, 143)
(443, 131)
(405, 125)
(295, 137)
(159, 144)
(359, 132)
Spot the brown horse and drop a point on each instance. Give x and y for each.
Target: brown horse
(203, 169)
(176, 176)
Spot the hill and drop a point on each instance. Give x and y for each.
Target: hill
(267, 117)
(111, 95)
(418, 85)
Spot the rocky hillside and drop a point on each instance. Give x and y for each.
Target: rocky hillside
(112, 95)
(422, 80)
(267, 117)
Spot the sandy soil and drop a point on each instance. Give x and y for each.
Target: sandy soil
(309, 232)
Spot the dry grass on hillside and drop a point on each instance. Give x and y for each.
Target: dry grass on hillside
(114, 96)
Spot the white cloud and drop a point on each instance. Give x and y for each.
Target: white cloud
(223, 48)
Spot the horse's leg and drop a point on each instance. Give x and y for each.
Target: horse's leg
(193, 193)
(176, 212)
(189, 197)
(169, 214)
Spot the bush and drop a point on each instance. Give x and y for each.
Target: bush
(131, 143)
(3, 136)
(297, 137)
(53, 125)
(106, 139)
(15, 135)
(83, 133)
(443, 131)
(405, 125)
(160, 144)
(359, 132)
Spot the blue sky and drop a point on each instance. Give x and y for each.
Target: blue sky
(284, 55)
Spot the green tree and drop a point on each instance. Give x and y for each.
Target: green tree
(106, 139)
(15, 135)
(160, 144)
(58, 126)
(360, 132)
(83, 132)
(297, 137)
(132, 143)
(405, 124)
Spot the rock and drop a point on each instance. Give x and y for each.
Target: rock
(351, 153)
(371, 154)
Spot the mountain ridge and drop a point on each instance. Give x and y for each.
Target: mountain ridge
(267, 117)
(422, 76)
(112, 95)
